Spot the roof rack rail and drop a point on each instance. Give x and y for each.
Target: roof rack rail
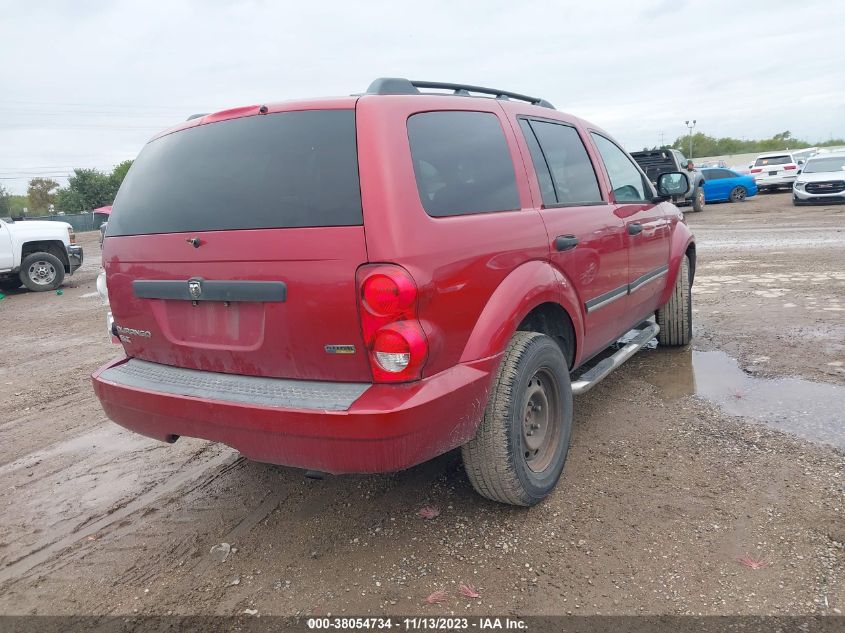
(399, 86)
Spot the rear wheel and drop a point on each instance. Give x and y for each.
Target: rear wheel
(675, 318)
(520, 448)
(738, 194)
(698, 199)
(42, 271)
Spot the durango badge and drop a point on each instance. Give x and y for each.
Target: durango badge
(195, 288)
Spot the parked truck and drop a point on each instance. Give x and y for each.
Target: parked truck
(37, 254)
(661, 161)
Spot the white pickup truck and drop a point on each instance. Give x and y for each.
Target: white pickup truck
(37, 254)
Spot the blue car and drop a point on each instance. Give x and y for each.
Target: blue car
(724, 184)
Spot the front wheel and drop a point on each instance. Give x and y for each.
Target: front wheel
(520, 448)
(675, 318)
(698, 199)
(42, 271)
(738, 194)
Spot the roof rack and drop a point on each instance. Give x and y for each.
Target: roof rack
(399, 86)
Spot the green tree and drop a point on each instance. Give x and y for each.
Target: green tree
(90, 188)
(41, 193)
(117, 175)
(5, 203)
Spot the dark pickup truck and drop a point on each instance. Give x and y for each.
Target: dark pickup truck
(660, 161)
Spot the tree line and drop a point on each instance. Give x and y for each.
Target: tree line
(704, 145)
(87, 189)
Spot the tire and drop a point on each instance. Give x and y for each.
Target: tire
(42, 271)
(738, 194)
(698, 199)
(510, 460)
(675, 318)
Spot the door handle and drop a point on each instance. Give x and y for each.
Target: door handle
(635, 228)
(565, 242)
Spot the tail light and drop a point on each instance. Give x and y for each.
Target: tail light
(790, 167)
(756, 171)
(396, 343)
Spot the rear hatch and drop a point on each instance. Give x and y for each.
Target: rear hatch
(233, 246)
(774, 167)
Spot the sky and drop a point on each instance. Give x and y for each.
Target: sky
(86, 84)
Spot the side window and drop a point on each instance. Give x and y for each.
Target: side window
(628, 183)
(541, 168)
(565, 158)
(462, 163)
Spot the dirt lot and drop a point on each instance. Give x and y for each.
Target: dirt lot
(681, 462)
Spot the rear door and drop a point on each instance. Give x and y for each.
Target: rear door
(588, 241)
(647, 229)
(233, 247)
(717, 184)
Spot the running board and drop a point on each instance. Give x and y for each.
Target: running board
(593, 376)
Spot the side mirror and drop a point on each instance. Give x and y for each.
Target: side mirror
(800, 162)
(671, 184)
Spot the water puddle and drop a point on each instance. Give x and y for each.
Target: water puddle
(812, 410)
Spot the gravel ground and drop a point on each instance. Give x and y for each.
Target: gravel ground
(681, 463)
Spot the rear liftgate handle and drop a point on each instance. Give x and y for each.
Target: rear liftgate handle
(565, 242)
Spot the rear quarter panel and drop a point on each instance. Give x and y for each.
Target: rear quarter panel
(457, 262)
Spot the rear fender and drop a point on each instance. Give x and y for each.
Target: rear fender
(682, 240)
(528, 286)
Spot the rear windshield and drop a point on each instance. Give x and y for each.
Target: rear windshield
(291, 169)
(773, 160)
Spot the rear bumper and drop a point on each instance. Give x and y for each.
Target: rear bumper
(387, 428)
(74, 258)
(775, 181)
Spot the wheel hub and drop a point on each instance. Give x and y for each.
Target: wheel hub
(540, 423)
(42, 273)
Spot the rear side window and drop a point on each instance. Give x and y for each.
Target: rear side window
(717, 174)
(773, 160)
(462, 163)
(291, 169)
(564, 157)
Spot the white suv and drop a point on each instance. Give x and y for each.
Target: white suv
(778, 169)
(822, 179)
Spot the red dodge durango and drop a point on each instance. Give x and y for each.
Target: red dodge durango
(360, 284)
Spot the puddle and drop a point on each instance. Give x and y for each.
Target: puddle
(811, 410)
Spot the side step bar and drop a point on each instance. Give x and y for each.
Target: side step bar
(594, 375)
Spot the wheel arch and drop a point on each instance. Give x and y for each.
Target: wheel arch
(531, 298)
(54, 247)
(683, 245)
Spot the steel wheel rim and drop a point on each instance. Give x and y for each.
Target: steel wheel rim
(541, 421)
(701, 198)
(42, 272)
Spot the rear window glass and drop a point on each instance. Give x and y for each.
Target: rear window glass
(291, 169)
(773, 160)
(462, 163)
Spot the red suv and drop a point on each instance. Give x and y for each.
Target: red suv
(360, 284)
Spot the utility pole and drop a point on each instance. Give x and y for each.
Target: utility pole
(690, 127)
(662, 141)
